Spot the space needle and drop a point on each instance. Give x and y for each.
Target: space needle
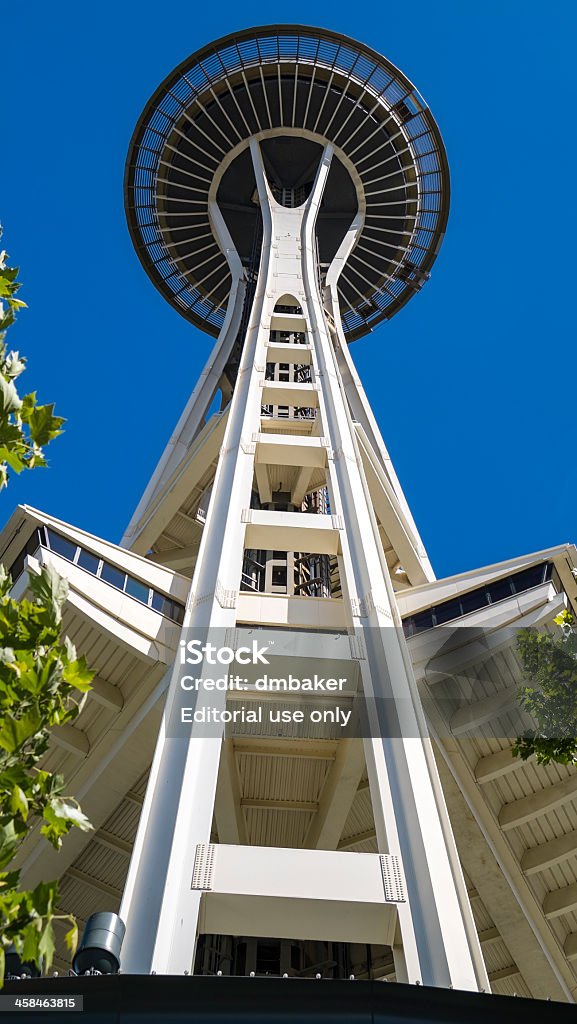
(286, 191)
(298, 763)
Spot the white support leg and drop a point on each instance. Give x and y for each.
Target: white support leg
(438, 945)
(159, 907)
(200, 400)
(355, 392)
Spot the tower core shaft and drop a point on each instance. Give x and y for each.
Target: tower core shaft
(303, 428)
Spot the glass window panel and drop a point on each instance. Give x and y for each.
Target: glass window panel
(447, 611)
(500, 590)
(17, 567)
(137, 589)
(176, 613)
(34, 543)
(61, 546)
(88, 561)
(167, 607)
(110, 574)
(30, 548)
(473, 601)
(279, 576)
(529, 578)
(422, 621)
(268, 958)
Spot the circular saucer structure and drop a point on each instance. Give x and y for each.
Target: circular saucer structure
(295, 89)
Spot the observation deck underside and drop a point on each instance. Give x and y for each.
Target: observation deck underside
(295, 89)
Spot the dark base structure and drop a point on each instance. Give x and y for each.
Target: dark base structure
(133, 999)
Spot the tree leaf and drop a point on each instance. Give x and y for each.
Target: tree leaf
(71, 938)
(70, 812)
(18, 802)
(77, 674)
(15, 731)
(9, 400)
(44, 425)
(50, 591)
(46, 946)
(9, 840)
(31, 936)
(44, 897)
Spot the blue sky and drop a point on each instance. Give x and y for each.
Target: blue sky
(472, 382)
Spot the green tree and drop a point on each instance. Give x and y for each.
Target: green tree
(550, 663)
(25, 426)
(42, 681)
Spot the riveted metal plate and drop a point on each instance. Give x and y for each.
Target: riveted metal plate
(203, 869)
(393, 881)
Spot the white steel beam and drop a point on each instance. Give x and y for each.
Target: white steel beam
(322, 750)
(355, 393)
(292, 322)
(280, 610)
(391, 512)
(112, 842)
(436, 924)
(294, 355)
(190, 472)
(527, 808)
(106, 694)
(230, 822)
(94, 883)
(178, 558)
(494, 766)
(299, 887)
(339, 790)
(479, 712)
(290, 450)
(70, 738)
(560, 901)
(293, 918)
(503, 973)
(356, 840)
(263, 482)
(289, 531)
(291, 393)
(546, 855)
(301, 485)
(304, 874)
(160, 909)
(193, 416)
(268, 804)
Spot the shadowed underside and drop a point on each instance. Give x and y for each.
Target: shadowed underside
(312, 87)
